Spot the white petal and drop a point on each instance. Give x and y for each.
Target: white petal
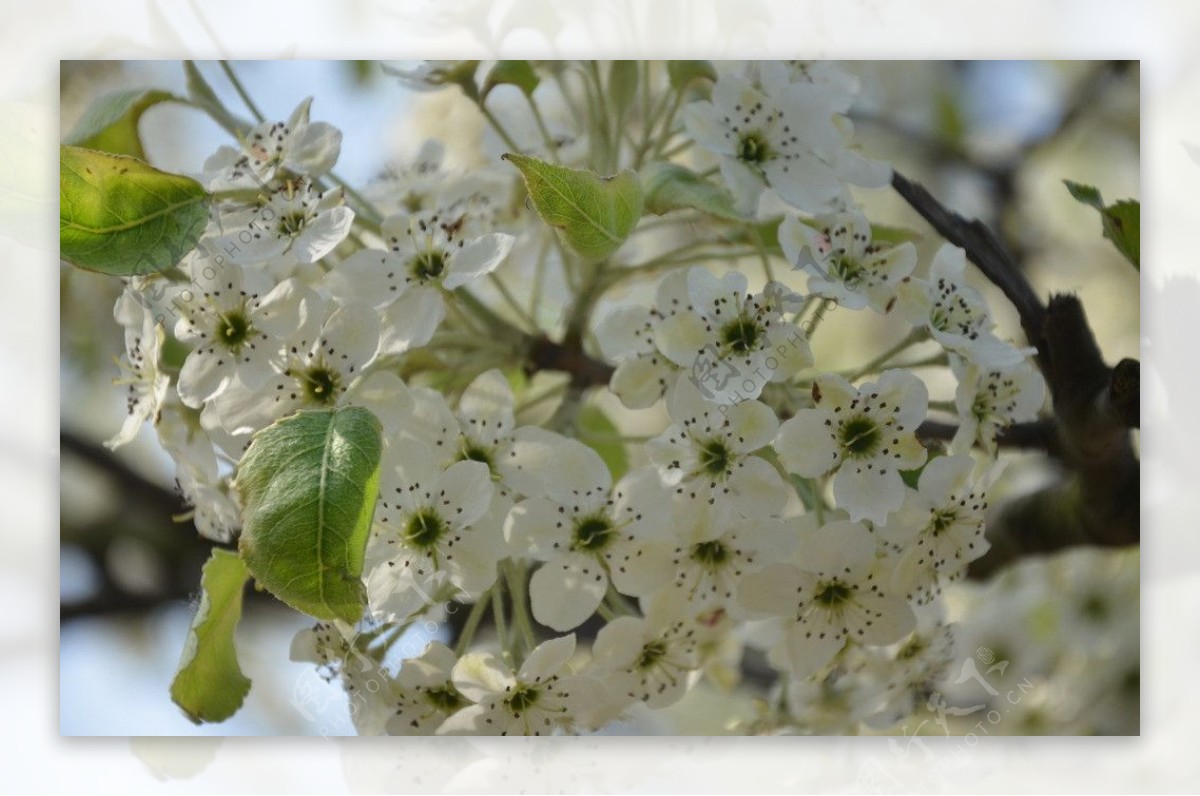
(868, 494)
(548, 659)
(410, 321)
(639, 382)
(891, 619)
(752, 425)
(622, 333)
(535, 525)
(488, 401)
(681, 338)
(369, 275)
(642, 568)
(352, 332)
(715, 299)
(200, 378)
(841, 548)
(476, 258)
(756, 490)
(806, 443)
(566, 591)
(619, 643)
(321, 235)
(279, 311)
(314, 151)
(385, 394)
(771, 592)
(480, 675)
(466, 485)
(808, 653)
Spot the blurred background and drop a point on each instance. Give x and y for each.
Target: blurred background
(990, 139)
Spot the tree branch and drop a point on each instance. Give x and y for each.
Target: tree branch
(1098, 501)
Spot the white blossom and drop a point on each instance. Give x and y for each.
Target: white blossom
(833, 595)
(733, 342)
(296, 147)
(706, 454)
(146, 386)
(541, 698)
(954, 312)
(866, 434)
(989, 400)
(842, 261)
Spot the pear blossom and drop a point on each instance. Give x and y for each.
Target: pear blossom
(270, 149)
(368, 683)
(427, 533)
(954, 312)
(321, 368)
(425, 695)
(541, 698)
(711, 550)
(297, 223)
(990, 400)
(651, 659)
(483, 429)
(843, 263)
(781, 135)
(589, 534)
(734, 342)
(427, 254)
(939, 529)
(216, 511)
(833, 595)
(867, 435)
(146, 386)
(235, 329)
(705, 455)
(627, 338)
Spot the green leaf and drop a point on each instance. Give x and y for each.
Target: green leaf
(308, 484)
(598, 433)
(622, 85)
(681, 73)
(1121, 221)
(110, 124)
(209, 684)
(593, 215)
(514, 73)
(668, 186)
(118, 215)
(1085, 193)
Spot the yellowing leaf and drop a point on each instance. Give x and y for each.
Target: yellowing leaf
(110, 124)
(308, 484)
(593, 215)
(120, 216)
(209, 684)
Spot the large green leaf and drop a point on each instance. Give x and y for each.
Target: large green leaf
(120, 216)
(593, 215)
(308, 484)
(669, 186)
(110, 124)
(209, 684)
(1121, 221)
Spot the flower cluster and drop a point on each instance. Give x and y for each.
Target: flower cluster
(778, 505)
